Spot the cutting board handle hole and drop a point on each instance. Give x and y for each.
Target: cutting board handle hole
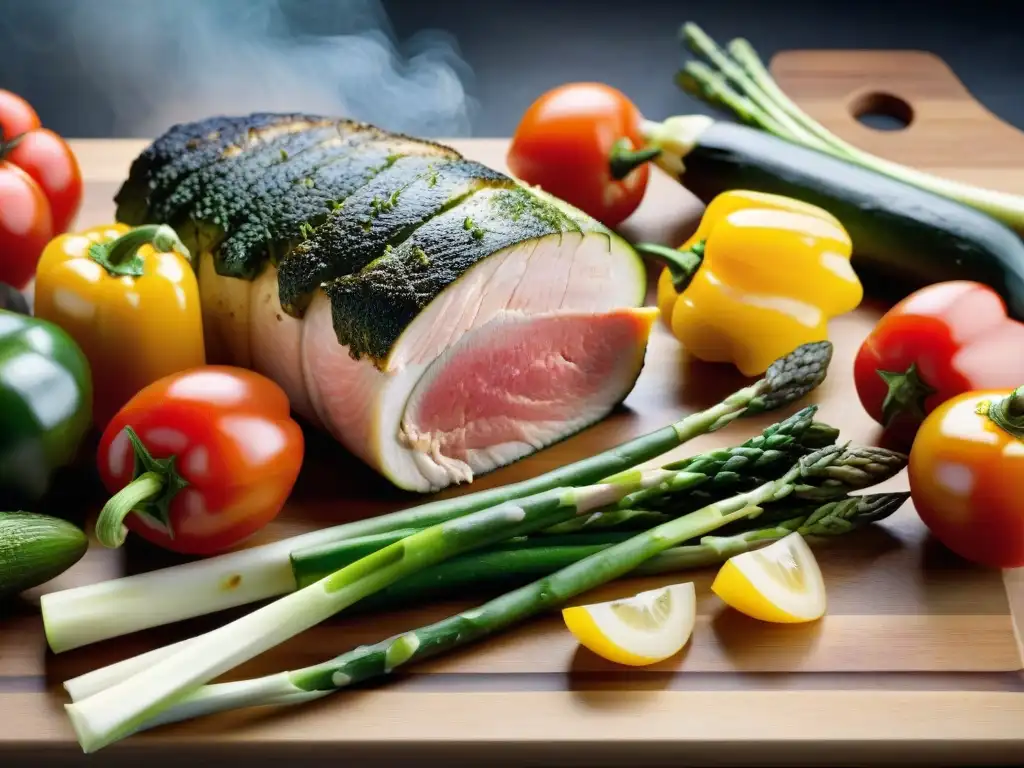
(882, 111)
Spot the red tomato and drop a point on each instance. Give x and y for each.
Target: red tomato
(223, 444)
(939, 342)
(16, 115)
(25, 225)
(565, 143)
(47, 158)
(50, 169)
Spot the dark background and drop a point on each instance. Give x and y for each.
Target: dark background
(129, 67)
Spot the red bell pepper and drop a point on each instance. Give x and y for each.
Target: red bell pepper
(937, 343)
(199, 460)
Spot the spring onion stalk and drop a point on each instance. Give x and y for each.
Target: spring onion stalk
(744, 70)
(548, 592)
(115, 712)
(505, 567)
(698, 78)
(88, 614)
(733, 73)
(764, 456)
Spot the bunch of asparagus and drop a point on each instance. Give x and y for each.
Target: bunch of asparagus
(735, 79)
(570, 531)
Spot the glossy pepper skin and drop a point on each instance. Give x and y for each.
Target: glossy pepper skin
(45, 402)
(199, 460)
(762, 275)
(130, 299)
(937, 343)
(965, 473)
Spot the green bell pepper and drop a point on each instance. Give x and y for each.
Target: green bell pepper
(45, 404)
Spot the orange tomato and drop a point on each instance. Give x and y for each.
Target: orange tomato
(965, 469)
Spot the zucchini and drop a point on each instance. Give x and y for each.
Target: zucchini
(903, 237)
(36, 548)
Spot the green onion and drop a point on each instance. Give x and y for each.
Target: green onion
(739, 81)
(117, 711)
(131, 705)
(89, 614)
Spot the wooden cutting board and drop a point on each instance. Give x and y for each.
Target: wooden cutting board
(917, 660)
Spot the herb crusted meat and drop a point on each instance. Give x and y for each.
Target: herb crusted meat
(436, 316)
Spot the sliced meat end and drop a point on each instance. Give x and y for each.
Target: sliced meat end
(519, 384)
(361, 401)
(225, 309)
(567, 271)
(374, 306)
(275, 343)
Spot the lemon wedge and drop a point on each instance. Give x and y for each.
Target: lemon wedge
(780, 583)
(638, 630)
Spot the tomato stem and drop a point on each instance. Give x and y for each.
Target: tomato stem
(1008, 413)
(155, 483)
(623, 159)
(682, 265)
(8, 145)
(907, 394)
(120, 257)
(110, 529)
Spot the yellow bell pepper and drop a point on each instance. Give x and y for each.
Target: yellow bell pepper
(130, 299)
(762, 275)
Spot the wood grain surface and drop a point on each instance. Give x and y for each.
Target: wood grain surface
(918, 660)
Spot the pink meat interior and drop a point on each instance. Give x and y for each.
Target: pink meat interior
(526, 379)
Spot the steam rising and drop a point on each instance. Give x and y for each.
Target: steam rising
(180, 60)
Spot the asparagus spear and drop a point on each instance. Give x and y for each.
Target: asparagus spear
(699, 79)
(492, 568)
(729, 471)
(113, 713)
(512, 564)
(88, 614)
(792, 437)
(739, 81)
(127, 706)
(787, 435)
(763, 457)
(611, 519)
(695, 37)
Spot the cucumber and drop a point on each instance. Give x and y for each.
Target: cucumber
(35, 548)
(903, 237)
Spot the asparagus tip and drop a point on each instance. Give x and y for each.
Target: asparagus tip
(791, 377)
